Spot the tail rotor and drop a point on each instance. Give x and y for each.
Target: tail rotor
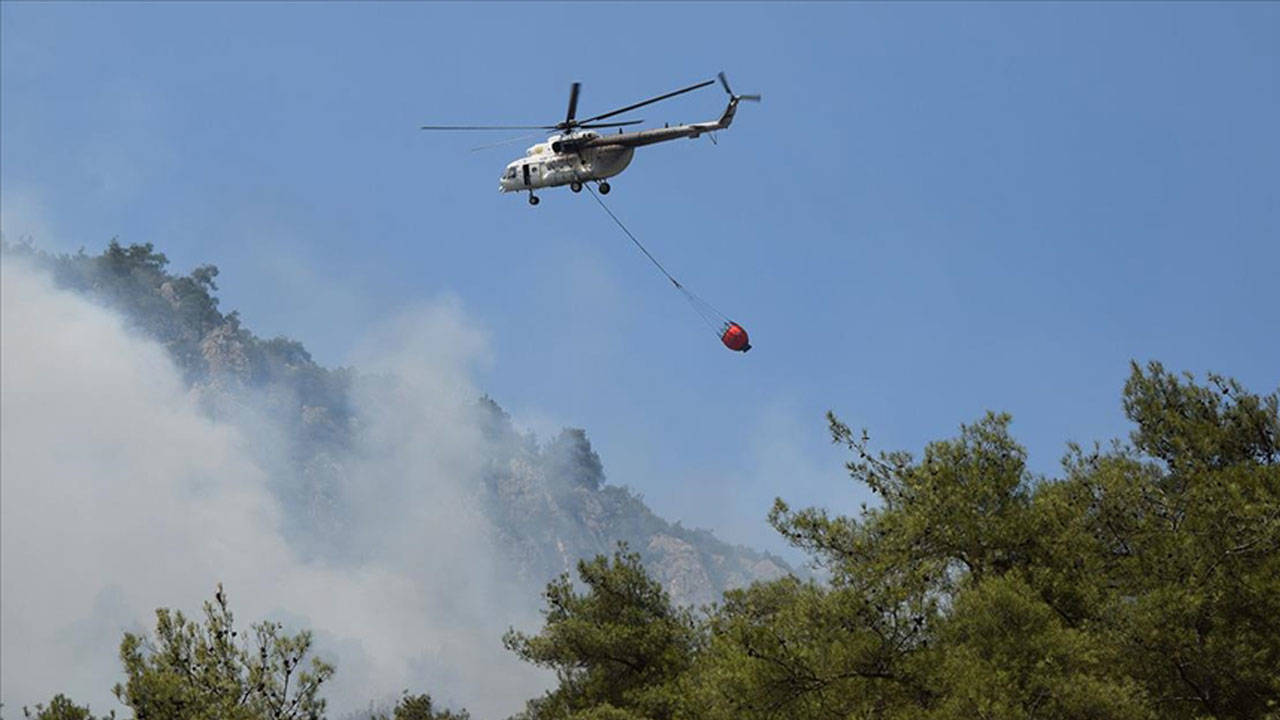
(725, 84)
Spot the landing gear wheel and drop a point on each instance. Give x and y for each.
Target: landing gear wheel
(604, 188)
(533, 199)
(575, 186)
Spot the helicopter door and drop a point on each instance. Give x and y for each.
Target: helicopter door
(525, 169)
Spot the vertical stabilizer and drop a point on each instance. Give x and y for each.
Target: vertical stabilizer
(727, 118)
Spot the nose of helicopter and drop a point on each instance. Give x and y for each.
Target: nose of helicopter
(505, 182)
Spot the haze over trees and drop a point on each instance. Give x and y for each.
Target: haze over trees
(548, 502)
(1141, 582)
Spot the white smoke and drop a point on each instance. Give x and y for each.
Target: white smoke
(118, 494)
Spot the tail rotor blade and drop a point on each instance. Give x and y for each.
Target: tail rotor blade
(724, 82)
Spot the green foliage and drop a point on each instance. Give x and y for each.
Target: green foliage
(1194, 428)
(800, 649)
(208, 672)
(1003, 652)
(618, 648)
(62, 708)
(1182, 549)
(419, 707)
(1144, 583)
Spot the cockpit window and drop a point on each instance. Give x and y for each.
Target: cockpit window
(511, 173)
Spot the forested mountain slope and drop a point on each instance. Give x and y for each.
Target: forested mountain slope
(547, 501)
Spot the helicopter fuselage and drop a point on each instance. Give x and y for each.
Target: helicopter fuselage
(548, 165)
(573, 158)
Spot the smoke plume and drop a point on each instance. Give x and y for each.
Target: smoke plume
(120, 492)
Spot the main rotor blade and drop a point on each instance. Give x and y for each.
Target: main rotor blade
(508, 141)
(612, 124)
(650, 101)
(573, 104)
(488, 127)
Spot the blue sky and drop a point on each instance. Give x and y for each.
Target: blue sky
(938, 209)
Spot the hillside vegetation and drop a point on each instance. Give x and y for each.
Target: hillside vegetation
(1143, 582)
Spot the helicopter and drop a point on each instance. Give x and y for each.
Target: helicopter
(577, 154)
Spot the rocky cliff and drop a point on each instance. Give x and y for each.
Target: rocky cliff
(548, 503)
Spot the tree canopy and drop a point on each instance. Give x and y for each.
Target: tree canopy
(420, 707)
(1143, 583)
(617, 647)
(62, 707)
(208, 671)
